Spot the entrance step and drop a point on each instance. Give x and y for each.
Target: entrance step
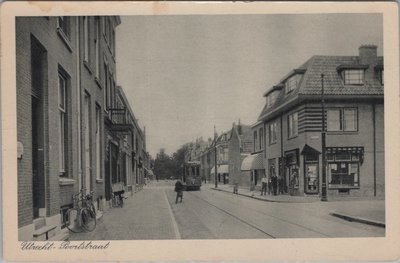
(44, 233)
(39, 222)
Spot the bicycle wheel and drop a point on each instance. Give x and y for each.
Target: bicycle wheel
(72, 221)
(91, 207)
(88, 219)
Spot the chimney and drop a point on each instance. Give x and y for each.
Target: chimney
(368, 56)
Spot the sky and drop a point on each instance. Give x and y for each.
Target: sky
(184, 74)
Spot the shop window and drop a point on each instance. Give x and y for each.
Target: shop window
(343, 174)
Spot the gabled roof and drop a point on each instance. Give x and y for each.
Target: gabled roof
(310, 83)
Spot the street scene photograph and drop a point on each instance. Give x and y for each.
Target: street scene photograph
(169, 127)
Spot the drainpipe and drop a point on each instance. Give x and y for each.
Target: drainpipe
(374, 145)
(78, 90)
(281, 169)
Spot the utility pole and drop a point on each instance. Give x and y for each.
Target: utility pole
(215, 158)
(324, 196)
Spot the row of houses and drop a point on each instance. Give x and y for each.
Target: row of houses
(286, 140)
(76, 129)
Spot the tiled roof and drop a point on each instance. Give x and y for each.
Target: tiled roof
(310, 83)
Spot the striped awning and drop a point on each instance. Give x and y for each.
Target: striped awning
(221, 169)
(253, 162)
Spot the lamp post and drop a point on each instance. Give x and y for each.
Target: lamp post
(324, 196)
(215, 158)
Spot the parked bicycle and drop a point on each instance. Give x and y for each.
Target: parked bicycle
(82, 216)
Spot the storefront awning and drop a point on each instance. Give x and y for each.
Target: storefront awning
(221, 169)
(253, 162)
(308, 150)
(354, 150)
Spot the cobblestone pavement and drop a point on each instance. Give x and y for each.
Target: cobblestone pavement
(208, 214)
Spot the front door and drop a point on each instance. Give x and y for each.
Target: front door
(38, 177)
(88, 152)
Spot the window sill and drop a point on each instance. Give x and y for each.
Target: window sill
(293, 137)
(341, 132)
(97, 80)
(99, 180)
(64, 38)
(66, 181)
(340, 187)
(87, 66)
(272, 143)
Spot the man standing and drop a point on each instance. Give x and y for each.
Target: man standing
(274, 180)
(179, 191)
(264, 185)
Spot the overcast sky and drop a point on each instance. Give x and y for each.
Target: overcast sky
(184, 74)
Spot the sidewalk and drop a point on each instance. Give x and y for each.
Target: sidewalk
(369, 211)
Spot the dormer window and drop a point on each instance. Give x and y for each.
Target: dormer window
(271, 98)
(291, 84)
(353, 76)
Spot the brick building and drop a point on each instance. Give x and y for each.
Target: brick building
(66, 94)
(354, 114)
(240, 146)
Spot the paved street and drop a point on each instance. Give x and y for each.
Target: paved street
(208, 214)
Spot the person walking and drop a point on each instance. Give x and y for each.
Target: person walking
(264, 182)
(179, 191)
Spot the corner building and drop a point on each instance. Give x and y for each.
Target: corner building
(354, 125)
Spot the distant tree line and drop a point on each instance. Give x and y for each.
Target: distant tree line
(166, 167)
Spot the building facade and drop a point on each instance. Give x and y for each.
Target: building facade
(293, 119)
(66, 119)
(240, 146)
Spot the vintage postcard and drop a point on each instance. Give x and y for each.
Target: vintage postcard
(139, 131)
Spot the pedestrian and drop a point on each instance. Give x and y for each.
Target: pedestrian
(269, 185)
(264, 182)
(274, 180)
(280, 184)
(179, 191)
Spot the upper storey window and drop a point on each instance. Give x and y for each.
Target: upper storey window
(64, 25)
(271, 98)
(353, 76)
(292, 82)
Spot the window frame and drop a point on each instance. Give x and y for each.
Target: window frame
(293, 130)
(273, 132)
(291, 84)
(342, 119)
(62, 122)
(255, 140)
(86, 39)
(353, 81)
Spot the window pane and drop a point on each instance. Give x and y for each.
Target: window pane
(354, 76)
(61, 92)
(61, 142)
(350, 119)
(333, 120)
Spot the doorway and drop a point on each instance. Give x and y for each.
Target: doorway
(88, 148)
(38, 177)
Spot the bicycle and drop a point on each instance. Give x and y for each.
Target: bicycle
(84, 215)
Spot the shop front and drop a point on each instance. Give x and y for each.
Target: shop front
(255, 164)
(311, 169)
(343, 167)
(291, 177)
